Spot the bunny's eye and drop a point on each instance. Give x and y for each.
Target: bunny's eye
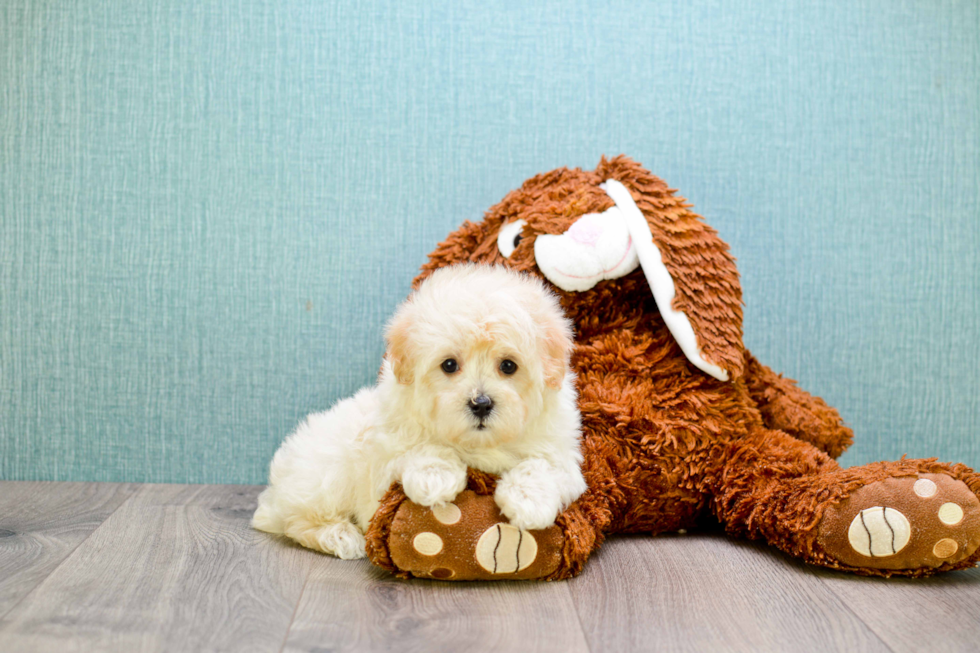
(509, 237)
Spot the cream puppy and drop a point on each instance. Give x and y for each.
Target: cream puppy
(476, 374)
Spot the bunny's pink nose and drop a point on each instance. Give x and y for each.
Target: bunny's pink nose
(586, 230)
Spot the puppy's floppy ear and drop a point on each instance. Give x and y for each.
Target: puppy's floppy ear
(557, 345)
(397, 337)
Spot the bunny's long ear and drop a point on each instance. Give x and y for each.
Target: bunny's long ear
(689, 268)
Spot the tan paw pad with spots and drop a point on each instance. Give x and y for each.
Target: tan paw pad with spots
(903, 523)
(469, 539)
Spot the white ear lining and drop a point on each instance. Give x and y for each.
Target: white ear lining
(661, 283)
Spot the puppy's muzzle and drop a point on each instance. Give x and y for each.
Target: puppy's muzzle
(481, 405)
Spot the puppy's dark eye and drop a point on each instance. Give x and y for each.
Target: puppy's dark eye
(517, 240)
(449, 365)
(508, 367)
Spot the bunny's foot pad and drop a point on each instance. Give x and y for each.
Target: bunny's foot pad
(469, 539)
(929, 521)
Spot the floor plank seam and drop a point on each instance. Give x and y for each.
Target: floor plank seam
(578, 615)
(292, 617)
(847, 606)
(75, 548)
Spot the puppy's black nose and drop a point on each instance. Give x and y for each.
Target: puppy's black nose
(481, 406)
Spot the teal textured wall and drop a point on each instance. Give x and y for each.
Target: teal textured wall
(208, 208)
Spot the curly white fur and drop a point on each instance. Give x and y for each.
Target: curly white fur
(416, 425)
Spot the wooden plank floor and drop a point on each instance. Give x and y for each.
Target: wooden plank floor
(106, 567)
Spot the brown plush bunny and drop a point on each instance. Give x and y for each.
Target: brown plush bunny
(679, 419)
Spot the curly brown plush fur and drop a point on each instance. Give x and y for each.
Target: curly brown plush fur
(666, 444)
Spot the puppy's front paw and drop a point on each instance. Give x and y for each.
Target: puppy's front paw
(433, 482)
(341, 539)
(527, 505)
